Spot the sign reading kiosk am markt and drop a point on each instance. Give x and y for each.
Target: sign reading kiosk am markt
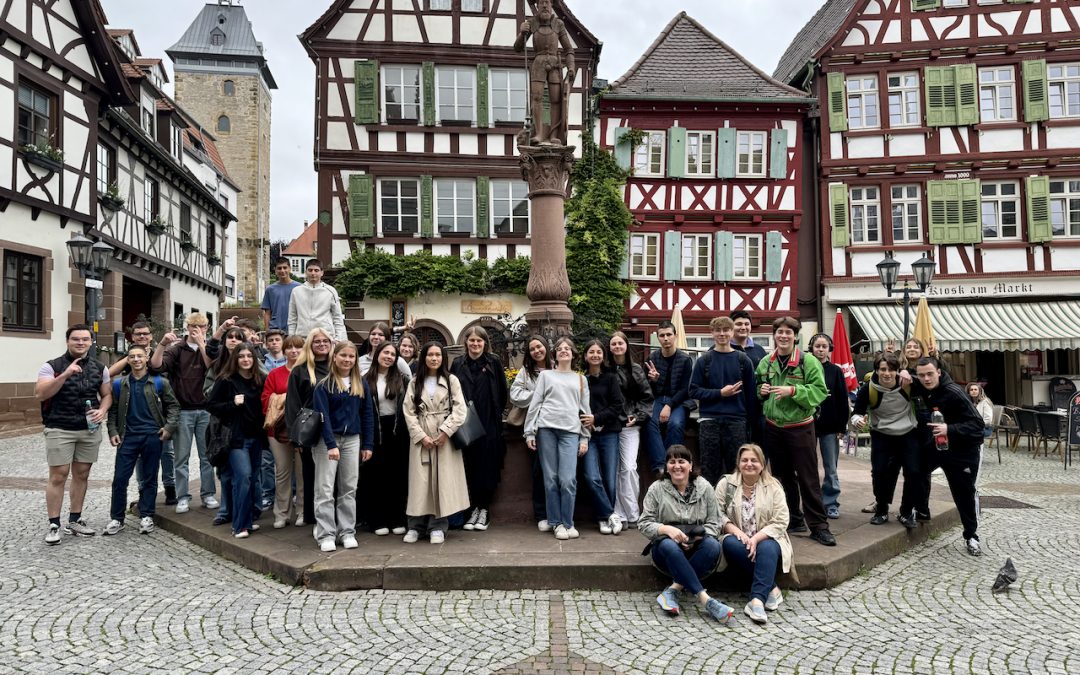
(986, 289)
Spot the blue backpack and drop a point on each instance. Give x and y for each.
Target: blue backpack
(158, 387)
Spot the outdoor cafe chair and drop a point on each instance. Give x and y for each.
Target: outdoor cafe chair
(1029, 428)
(1051, 427)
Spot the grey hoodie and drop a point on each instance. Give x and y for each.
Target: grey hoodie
(893, 415)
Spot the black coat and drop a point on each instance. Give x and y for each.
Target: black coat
(833, 413)
(483, 382)
(964, 421)
(606, 401)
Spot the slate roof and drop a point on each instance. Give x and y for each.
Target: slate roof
(814, 35)
(239, 42)
(195, 133)
(687, 61)
(305, 243)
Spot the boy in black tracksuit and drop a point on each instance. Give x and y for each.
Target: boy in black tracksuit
(963, 427)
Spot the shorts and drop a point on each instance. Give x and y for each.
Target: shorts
(64, 447)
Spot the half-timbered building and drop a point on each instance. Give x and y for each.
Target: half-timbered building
(717, 152)
(951, 129)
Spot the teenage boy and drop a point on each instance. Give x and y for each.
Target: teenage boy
(145, 414)
(275, 354)
(316, 305)
(831, 421)
(275, 302)
(742, 341)
(668, 370)
(723, 384)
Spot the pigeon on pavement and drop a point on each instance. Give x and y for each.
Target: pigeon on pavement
(1006, 575)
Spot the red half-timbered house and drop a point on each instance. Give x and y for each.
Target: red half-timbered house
(951, 129)
(718, 155)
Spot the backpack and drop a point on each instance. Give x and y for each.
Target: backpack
(706, 360)
(158, 387)
(875, 395)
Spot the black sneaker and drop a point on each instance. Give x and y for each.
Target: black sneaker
(482, 520)
(797, 527)
(909, 521)
(922, 516)
(823, 537)
(879, 519)
(170, 495)
(220, 520)
(471, 523)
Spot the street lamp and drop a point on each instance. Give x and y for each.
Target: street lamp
(889, 270)
(92, 259)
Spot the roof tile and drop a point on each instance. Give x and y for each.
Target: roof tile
(813, 36)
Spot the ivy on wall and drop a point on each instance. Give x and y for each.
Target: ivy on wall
(374, 273)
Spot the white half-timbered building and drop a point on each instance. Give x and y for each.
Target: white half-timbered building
(951, 129)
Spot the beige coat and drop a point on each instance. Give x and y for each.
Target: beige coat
(770, 507)
(437, 476)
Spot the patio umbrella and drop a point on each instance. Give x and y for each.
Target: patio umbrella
(680, 332)
(924, 326)
(841, 354)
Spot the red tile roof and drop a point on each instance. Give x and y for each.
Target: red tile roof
(193, 134)
(305, 243)
(132, 72)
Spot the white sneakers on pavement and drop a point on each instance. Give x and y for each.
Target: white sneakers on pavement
(183, 505)
(327, 546)
(211, 502)
(411, 537)
(146, 525)
(112, 528)
(349, 541)
(437, 537)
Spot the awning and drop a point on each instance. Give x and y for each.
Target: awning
(995, 327)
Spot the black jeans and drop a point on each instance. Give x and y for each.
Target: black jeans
(888, 455)
(961, 469)
(307, 462)
(719, 439)
(794, 461)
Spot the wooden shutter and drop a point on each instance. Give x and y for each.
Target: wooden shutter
(1038, 209)
(838, 214)
(778, 159)
(922, 5)
(723, 256)
(672, 256)
(837, 102)
(940, 96)
(970, 211)
(945, 223)
(623, 151)
(1036, 105)
(427, 82)
(967, 94)
(482, 92)
(367, 92)
(676, 152)
(427, 207)
(483, 210)
(725, 152)
(361, 216)
(774, 247)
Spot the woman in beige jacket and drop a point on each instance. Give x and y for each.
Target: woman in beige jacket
(753, 522)
(434, 409)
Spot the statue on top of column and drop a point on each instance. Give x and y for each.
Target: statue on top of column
(546, 70)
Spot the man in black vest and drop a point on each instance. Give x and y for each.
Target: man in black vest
(75, 393)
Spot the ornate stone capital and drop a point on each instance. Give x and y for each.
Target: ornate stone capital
(546, 168)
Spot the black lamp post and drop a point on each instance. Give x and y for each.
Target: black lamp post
(889, 270)
(92, 259)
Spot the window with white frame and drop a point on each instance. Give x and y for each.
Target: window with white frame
(955, 3)
(472, 5)
(1000, 206)
(649, 156)
(509, 95)
(147, 111)
(399, 206)
(510, 207)
(997, 94)
(106, 167)
(297, 265)
(696, 345)
(1063, 81)
(455, 202)
(401, 93)
(862, 101)
(699, 153)
(151, 199)
(696, 256)
(906, 213)
(439, 5)
(865, 215)
(904, 99)
(750, 158)
(1065, 208)
(644, 255)
(456, 93)
(746, 256)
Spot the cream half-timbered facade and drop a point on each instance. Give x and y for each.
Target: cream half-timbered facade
(951, 129)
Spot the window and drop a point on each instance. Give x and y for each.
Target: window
(865, 213)
(217, 37)
(456, 93)
(904, 100)
(1064, 82)
(228, 87)
(230, 287)
(1000, 204)
(177, 139)
(508, 95)
(439, 5)
(906, 213)
(211, 237)
(996, 87)
(454, 200)
(224, 124)
(35, 117)
(1065, 208)
(297, 266)
(148, 114)
(644, 256)
(751, 154)
(472, 5)
(151, 199)
(401, 88)
(399, 206)
(955, 3)
(699, 153)
(510, 207)
(23, 291)
(185, 223)
(649, 156)
(106, 167)
(862, 101)
(746, 256)
(696, 256)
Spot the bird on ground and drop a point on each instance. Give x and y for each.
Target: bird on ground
(1006, 575)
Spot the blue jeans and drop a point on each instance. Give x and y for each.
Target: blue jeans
(830, 455)
(268, 481)
(761, 570)
(686, 570)
(558, 461)
(142, 451)
(193, 425)
(601, 469)
(243, 464)
(676, 430)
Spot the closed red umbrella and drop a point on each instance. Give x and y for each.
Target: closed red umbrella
(841, 354)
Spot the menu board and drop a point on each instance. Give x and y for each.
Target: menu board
(1074, 420)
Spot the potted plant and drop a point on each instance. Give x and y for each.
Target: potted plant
(186, 244)
(213, 259)
(43, 154)
(157, 227)
(111, 198)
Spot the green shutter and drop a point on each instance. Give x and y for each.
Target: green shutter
(940, 96)
(774, 246)
(482, 90)
(922, 5)
(672, 256)
(1038, 209)
(427, 207)
(778, 159)
(946, 221)
(483, 211)
(623, 151)
(427, 77)
(724, 256)
(361, 217)
(676, 155)
(624, 267)
(1036, 106)
(367, 92)
(725, 153)
(967, 94)
(837, 102)
(838, 214)
(970, 211)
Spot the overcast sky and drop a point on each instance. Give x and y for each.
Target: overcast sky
(759, 29)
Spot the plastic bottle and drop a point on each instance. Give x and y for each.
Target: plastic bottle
(941, 441)
(90, 423)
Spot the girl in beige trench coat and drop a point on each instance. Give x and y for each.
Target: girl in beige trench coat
(434, 409)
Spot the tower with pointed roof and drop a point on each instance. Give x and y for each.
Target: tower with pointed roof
(224, 81)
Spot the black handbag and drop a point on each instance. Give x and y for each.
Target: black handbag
(306, 429)
(218, 440)
(471, 430)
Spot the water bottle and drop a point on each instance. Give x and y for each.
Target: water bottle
(90, 423)
(942, 441)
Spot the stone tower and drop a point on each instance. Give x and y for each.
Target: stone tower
(223, 80)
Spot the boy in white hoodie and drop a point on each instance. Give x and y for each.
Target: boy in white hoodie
(316, 305)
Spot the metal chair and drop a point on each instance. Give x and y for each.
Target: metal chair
(1029, 428)
(1009, 426)
(1051, 428)
(995, 423)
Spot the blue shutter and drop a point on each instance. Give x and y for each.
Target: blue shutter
(774, 244)
(672, 256)
(676, 156)
(723, 252)
(778, 160)
(622, 148)
(725, 153)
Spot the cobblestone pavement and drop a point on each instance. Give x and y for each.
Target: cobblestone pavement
(136, 603)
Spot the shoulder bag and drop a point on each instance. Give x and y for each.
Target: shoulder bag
(471, 430)
(218, 440)
(306, 429)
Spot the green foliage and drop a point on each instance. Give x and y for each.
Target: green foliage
(378, 274)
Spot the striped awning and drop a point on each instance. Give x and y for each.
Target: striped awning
(995, 327)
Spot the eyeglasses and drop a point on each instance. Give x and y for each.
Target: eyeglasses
(141, 334)
(320, 342)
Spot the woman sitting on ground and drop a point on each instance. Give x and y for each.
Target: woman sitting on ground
(681, 518)
(754, 514)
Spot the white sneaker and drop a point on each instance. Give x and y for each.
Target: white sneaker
(242, 534)
(616, 524)
(113, 527)
(544, 526)
(573, 533)
(974, 547)
(182, 505)
(299, 521)
(411, 537)
(211, 502)
(349, 541)
(605, 527)
(437, 537)
(398, 531)
(327, 546)
(52, 537)
(382, 531)
(146, 525)
(278, 524)
(561, 533)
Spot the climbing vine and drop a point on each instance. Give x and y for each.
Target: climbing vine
(377, 274)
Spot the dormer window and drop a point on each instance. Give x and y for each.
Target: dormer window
(217, 37)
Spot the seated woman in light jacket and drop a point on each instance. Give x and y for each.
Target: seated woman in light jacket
(681, 518)
(754, 518)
